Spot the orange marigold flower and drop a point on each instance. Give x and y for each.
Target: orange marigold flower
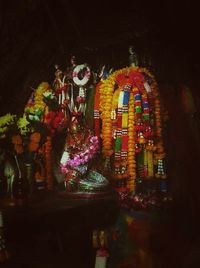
(35, 137)
(19, 148)
(33, 146)
(16, 139)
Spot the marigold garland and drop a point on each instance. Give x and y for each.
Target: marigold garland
(159, 154)
(106, 92)
(131, 145)
(142, 98)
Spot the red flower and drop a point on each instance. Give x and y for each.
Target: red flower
(123, 79)
(49, 117)
(80, 99)
(137, 79)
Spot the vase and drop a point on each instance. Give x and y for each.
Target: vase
(29, 173)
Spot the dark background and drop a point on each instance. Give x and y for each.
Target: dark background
(36, 34)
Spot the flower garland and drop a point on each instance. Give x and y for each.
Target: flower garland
(106, 92)
(96, 111)
(108, 100)
(141, 138)
(159, 153)
(82, 157)
(131, 145)
(76, 74)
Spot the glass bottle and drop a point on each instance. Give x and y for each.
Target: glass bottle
(2, 177)
(2, 184)
(9, 173)
(29, 173)
(20, 187)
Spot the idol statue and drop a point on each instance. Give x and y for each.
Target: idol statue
(133, 58)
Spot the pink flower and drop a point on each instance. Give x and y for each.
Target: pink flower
(86, 158)
(92, 147)
(77, 162)
(94, 139)
(80, 99)
(76, 158)
(64, 169)
(85, 155)
(74, 74)
(82, 161)
(81, 155)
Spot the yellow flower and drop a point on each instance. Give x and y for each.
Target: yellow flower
(7, 119)
(23, 125)
(39, 106)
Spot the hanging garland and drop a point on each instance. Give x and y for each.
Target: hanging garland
(130, 114)
(131, 145)
(79, 78)
(96, 111)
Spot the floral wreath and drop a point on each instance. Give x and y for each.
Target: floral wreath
(76, 72)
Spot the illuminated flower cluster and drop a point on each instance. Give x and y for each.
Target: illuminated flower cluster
(82, 156)
(144, 120)
(6, 121)
(36, 108)
(24, 125)
(20, 146)
(53, 120)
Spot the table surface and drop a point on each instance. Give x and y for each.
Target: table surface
(56, 229)
(63, 210)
